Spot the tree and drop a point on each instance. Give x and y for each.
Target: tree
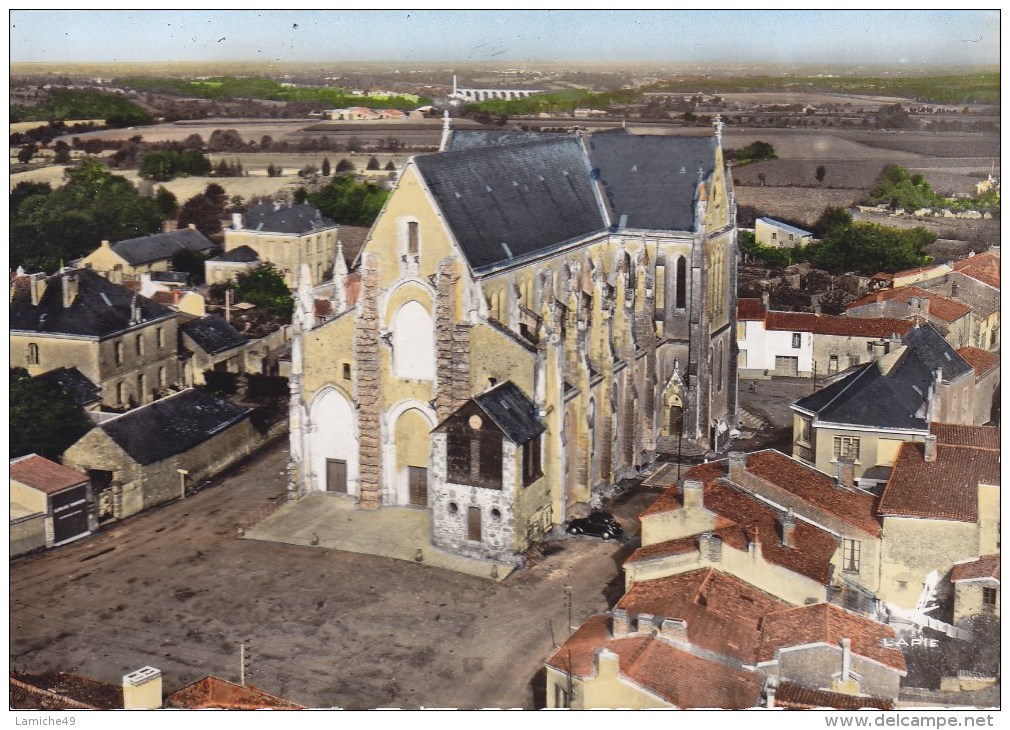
(225, 140)
(166, 201)
(220, 383)
(62, 150)
(834, 301)
(191, 262)
(830, 219)
(373, 164)
(203, 213)
(326, 167)
(867, 248)
(274, 170)
(345, 165)
(27, 152)
(217, 194)
(44, 420)
(820, 173)
(390, 166)
(265, 288)
(348, 201)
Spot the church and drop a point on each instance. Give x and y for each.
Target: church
(532, 318)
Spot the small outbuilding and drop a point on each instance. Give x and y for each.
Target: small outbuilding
(50, 504)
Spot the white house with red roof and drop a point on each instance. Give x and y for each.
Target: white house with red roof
(50, 504)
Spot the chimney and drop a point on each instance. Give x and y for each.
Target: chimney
(922, 306)
(766, 299)
(620, 626)
(845, 472)
(879, 296)
(879, 349)
(191, 226)
(606, 663)
(953, 288)
(37, 283)
(737, 465)
(645, 623)
(788, 528)
(71, 285)
(673, 629)
(236, 221)
(933, 400)
(694, 494)
(710, 547)
(754, 547)
(770, 696)
(929, 452)
(142, 689)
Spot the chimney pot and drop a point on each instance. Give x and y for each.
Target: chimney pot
(789, 528)
(929, 453)
(620, 626)
(737, 464)
(142, 689)
(845, 472)
(693, 493)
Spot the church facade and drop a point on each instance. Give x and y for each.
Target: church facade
(530, 320)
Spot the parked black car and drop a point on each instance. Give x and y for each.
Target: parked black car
(599, 523)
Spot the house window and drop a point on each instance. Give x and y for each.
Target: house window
(853, 360)
(805, 430)
(162, 379)
(797, 340)
(833, 364)
(846, 447)
(741, 330)
(347, 371)
(121, 393)
(141, 385)
(160, 336)
(531, 461)
(33, 354)
(850, 556)
(119, 353)
(413, 239)
(989, 598)
(140, 345)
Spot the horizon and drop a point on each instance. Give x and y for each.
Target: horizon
(843, 38)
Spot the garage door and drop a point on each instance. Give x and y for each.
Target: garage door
(787, 365)
(70, 514)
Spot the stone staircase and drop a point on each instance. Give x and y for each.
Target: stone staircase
(751, 421)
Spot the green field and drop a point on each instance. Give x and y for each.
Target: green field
(250, 87)
(64, 105)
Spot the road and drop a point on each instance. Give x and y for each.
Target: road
(175, 588)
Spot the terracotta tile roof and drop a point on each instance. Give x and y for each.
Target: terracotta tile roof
(827, 623)
(976, 437)
(352, 282)
(942, 308)
(985, 567)
(982, 360)
(984, 267)
(682, 679)
(45, 475)
(876, 327)
(885, 276)
(944, 489)
(797, 697)
(62, 690)
(795, 321)
(213, 693)
(750, 309)
(723, 613)
(818, 489)
(322, 307)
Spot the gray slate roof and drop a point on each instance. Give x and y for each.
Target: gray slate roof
(511, 411)
(652, 179)
(75, 384)
(507, 201)
(240, 255)
(897, 399)
(172, 425)
(101, 308)
(283, 218)
(160, 246)
(212, 334)
(464, 139)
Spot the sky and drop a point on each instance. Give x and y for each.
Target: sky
(912, 37)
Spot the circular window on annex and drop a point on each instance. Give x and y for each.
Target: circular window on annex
(453, 508)
(496, 514)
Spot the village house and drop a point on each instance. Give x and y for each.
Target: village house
(576, 278)
(975, 282)
(784, 527)
(50, 504)
(940, 507)
(804, 344)
(976, 588)
(152, 454)
(907, 277)
(868, 413)
(705, 639)
(127, 260)
(210, 343)
(230, 265)
(949, 317)
(987, 380)
(288, 236)
(776, 234)
(123, 342)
